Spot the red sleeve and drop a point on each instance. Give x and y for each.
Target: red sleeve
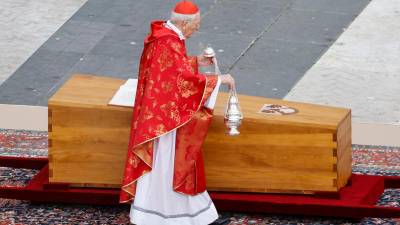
(193, 62)
(211, 79)
(210, 85)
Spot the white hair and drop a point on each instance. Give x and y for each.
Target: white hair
(183, 17)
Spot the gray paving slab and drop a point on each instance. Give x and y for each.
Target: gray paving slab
(72, 28)
(114, 48)
(90, 64)
(82, 45)
(120, 67)
(239, 17)
(58, 42)
(281, 56)
(91, 10)
(270, 3)
(263, 83)
(143, 13)
(114, 14)
(336, 6)
(277, 65)
(77, 34)
(280, 40)
(227, 47)
(36, 76)
(127, 34)
(309, 26)
(129, 11)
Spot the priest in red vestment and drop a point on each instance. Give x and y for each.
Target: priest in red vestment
(164, 179)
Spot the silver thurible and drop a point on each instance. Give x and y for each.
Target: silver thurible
(233, 115)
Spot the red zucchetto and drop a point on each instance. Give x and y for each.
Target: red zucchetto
(186, 8)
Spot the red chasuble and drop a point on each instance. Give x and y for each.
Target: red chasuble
(170, 95)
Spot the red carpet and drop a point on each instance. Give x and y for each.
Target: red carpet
(356, 200)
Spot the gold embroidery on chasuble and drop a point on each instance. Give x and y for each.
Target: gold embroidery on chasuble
(176, 95)
(141, 89)
(146, 136)
(193, 61)
(154, 103)
(184, 106)
(143, 152)
(165, 61)
(186, 88)
(158, 77)
(149, 51)
(147, 114)
(146, 74)
(166, 86)
(187, 65)
(133, 162)
(191, 112)
(160, 129)
(190, 178)
(171, 110)
(176, 46)
(149, 89)
(156, 90)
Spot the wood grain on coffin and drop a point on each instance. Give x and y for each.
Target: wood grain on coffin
(344, 151)
(316, 116)
(50, 142)
(292, 158)
(90, 138)
(285, 154)
(269, 178)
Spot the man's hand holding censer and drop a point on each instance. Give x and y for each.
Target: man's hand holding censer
(233, 115)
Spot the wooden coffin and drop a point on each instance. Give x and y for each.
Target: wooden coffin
(305, 152)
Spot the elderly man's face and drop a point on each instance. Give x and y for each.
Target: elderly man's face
(191, 27)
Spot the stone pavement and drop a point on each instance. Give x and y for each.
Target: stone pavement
(361, 70)
(267, 45)
(25, 25)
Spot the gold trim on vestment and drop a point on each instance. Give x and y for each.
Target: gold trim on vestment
(123, 187)
(182, 123)
(200, 105)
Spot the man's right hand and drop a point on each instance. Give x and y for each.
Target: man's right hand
(228, 80)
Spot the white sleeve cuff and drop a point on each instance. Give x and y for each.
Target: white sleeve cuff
(210, 103)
